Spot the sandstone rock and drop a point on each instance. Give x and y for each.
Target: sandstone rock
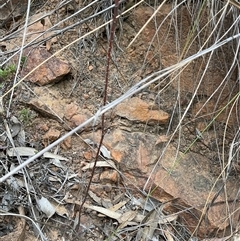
(51, 136)
(71, 110)
(47, 103)
(75, 116)
(39, 24)
(135, 109)
(193, 74)
(148, 36)
(78, 119)
(210, 109)
(186, 178)
(42, 127)
(67, 143)
(109, 176)
(50, 72)
(88, 155)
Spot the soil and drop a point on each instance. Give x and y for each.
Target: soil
(81, 91)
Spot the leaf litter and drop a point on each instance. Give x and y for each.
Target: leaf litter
(57, 177)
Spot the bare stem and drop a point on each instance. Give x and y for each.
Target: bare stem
(113, 27)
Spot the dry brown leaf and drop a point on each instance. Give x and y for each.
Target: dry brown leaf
(151, 225)
(59, 208)
(118, 206)
(95, 197)
(100, 164)
(167, 219)
(126, 218)
(106, 212)
(168, 236)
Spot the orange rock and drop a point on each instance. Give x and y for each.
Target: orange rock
(162, 139)
(43, 127)
(109, 175)
(116, 155)
(52, 71)
(88, 155)
(71, 110)
(67, 143)
(75, 115)
(186, 178)
(51, 136)
(48, 103)
(135, 109)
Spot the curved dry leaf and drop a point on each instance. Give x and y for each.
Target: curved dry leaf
(89, 142)
(106, 212)
(94, 197)
(127, 217)
(168, 236)
(57, 163)
(21, 137)
(46, 207)
(22, 151)
(60, 209)
(105, 152)
(118, 206)
(29, 151)
(54, 156)
(151, 225)
(15, 126)
(168, 219)
(109, 163)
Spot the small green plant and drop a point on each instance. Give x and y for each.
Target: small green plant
(23, 60)
(6, 72)
(25, 115)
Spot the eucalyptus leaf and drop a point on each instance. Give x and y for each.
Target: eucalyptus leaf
(46, 207)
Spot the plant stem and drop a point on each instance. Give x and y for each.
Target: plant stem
(113, 27)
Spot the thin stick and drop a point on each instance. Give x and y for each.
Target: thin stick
(113, 27)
